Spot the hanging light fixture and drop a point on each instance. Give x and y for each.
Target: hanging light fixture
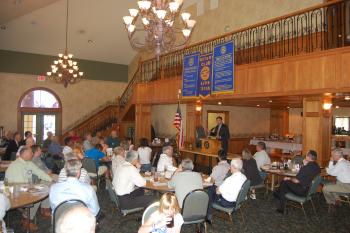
(157, 29)
(64, 69)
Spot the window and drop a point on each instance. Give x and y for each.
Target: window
(342, 122)
(39, 99)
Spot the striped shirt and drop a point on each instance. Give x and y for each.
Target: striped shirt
(84, 176)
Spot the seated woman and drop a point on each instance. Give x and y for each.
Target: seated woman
(250, 170)
(145, 155)
(166, 219)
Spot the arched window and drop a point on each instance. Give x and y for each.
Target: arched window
(40, 112)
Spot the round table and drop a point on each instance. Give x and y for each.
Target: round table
(162, 184)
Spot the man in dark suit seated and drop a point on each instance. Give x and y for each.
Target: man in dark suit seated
(13, 146)
(221, 132)
(301, 183)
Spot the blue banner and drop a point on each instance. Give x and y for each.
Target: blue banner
(190, 75)
(204, 74)
(223, 68)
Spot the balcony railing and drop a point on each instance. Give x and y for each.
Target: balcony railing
(322, 27)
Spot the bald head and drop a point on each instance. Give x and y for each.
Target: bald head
(67, 223)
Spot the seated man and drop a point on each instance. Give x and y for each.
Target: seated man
(37, 152)
(185, 181)
(340, 168)
(125, 182)
(29, 142)
(4, 206)
(113, 140)
(68, 146)
(165, 161)
(67, 223)
(118, 158)
(97, 155)
(72, 188)
(301, 183)
(20, 171)
(219, 172)
(13, 146)
(226, 194)
(261, 158)
(87, 142)
(84, 175)
(47, 141)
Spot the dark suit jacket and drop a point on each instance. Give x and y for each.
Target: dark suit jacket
(224, 134)
(12, 147)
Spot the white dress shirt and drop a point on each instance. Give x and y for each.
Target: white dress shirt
(262, 158)
(70, 189)
(232, 185)
(144, 154)
(165, 163)
(219, 172)
(126, 178)
(4, 206)
(66, 150)
(341, 170)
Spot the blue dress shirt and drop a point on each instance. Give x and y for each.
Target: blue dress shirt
(70, 189)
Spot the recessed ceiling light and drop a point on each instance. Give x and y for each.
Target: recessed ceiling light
(288, 107)
(258, 105)
(3, 27)
(347, 97)
(90, 41)
(219, 103)
(270, 101)
(81, 31)
(337, 106)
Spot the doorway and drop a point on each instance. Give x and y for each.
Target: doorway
(40, 112)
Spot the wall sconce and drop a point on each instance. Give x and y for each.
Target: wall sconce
(198, 108)
(327, 106)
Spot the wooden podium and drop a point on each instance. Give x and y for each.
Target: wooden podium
(210, 145)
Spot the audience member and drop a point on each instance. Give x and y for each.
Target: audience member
(97, 155)
(113, 140)
(84, 175)
(145, 153)
(220, 171)
(87, 142)
(13, 146)
(126, 183)
(226, 194)
(55, 149)
(67, 223)
(20, 171)
(68, 146)
(301, 183)
(250, 170)
(36, 149)
(72, 188)
(78, 150)
(118, 158)
(47, 141)
(166, 219)
(130, 143)
(74, 137)
(340, 168)
(4, 206)
(185, 181)
(29, 142)
(165, 161)
(261, 158)
(27, 134)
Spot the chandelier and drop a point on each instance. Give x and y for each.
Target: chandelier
(64, 69)
(157, 30)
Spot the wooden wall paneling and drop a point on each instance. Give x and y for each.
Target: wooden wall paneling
(279, 121)
(344, 70)
(190, 123)
(236, 145)
(143, 122)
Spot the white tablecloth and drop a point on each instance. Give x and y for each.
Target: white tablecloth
(285, 146)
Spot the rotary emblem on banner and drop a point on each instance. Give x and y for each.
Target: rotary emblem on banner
(223, 50)
(191, 61)
(205, 73)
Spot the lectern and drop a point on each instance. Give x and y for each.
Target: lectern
(210, 145)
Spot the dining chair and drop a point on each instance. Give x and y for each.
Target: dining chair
(90, 166)
(195, 208)
(300, 200)
(262, 186)
(63, 208)
(241, 198)
(149, 211)
(114, 198)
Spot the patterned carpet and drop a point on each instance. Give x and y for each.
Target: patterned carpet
(260, 216)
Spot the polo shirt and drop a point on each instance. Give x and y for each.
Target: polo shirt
(113, 142)
(96, 155)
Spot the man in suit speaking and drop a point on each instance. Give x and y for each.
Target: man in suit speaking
(221, 132)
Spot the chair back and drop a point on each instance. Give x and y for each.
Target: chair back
(195, 206)
(89, 165)
(200, 132)
(156, 159)
(63, 208)
(149, 211)
(314, 185)
(112, 195)
(242, 194)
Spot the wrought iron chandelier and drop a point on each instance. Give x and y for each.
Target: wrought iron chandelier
(64, 69)
(157, 30)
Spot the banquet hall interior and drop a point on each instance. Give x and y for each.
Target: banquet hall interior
(174, 116)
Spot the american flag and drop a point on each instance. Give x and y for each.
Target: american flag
(178, 125)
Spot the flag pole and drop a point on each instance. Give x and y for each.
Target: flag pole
(178, 132)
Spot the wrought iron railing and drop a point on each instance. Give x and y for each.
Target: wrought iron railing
(322, 27)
